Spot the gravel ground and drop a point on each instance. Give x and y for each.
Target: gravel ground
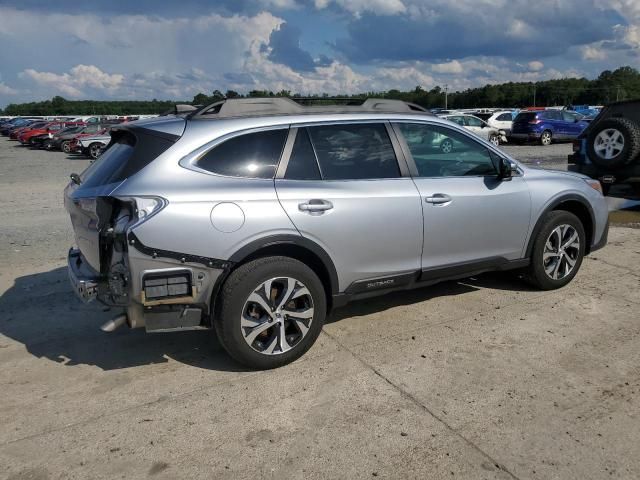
(483, 378)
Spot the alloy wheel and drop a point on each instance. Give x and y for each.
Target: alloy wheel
(94, 151)
(446, 146)
(561, 252)
(277, 315)
(609, 143)
(495, 140)
(545, 139)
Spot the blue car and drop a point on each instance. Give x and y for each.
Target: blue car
(547, 126)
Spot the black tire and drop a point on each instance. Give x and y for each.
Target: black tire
(446, 146)
(95, 150)
(631, 137)
(546, 138)
(65, 146)
(234, 296)
(535, 273)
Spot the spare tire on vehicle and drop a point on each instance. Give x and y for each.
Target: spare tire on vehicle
(615, 143)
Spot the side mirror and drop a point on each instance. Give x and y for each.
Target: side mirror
(506, 169)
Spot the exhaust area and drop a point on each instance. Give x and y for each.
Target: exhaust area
(114, 323)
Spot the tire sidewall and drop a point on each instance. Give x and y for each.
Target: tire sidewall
(624, 157)
(542, 135)
(240, 284)
(64, 146)
(551, 221)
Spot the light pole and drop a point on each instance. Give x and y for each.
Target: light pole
(446, 97)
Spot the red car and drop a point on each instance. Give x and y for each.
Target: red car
(26, 135)
(15, 133)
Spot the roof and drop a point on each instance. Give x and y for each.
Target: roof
(257, 106)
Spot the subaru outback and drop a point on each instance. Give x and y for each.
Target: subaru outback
(255, 217)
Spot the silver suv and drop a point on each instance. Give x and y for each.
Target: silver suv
(255, 217)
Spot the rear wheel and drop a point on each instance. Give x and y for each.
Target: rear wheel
(557, 252)
(270, 312)
(546, 138)
(95, 150)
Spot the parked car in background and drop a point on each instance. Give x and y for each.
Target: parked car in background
(502, 120)
(92, 146)
(478, 127)
(27, 135)
(547, 126)
(15, 132)
(609, 148)
(62, 140)
(46, 140)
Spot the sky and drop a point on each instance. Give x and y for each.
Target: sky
(144, 49)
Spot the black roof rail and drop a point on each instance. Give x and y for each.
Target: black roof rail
(260, 106)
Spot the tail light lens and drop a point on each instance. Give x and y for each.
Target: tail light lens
(535, 121)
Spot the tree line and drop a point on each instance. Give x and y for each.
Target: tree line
(609, 86)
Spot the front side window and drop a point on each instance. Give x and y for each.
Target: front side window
(253, 155)
(354, 151)
(439, 151)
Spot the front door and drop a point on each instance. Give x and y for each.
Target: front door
(470, 216)
(343, 189)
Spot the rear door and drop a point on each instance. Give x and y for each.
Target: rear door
(344, 188)
(470, 216)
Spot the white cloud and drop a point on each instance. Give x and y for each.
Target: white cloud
(7, 90)
(535, 65)
(593, 52)
(72, 83)
(451, 67)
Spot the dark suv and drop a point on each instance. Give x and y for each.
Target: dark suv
(609, 149)
(547, 126)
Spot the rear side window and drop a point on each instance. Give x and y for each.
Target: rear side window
(551, 115)
(351, 152)
(525, 117)
(253, 155)
(126, 154)
(505, 117)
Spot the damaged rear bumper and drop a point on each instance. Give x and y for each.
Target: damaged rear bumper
(84, 280)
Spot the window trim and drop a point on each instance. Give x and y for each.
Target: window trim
(190, 160)
(455, 127)
(403, 165)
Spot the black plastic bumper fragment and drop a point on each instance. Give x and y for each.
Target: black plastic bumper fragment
(134, 242)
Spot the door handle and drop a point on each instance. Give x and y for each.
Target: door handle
(438, 199)
(315, 206)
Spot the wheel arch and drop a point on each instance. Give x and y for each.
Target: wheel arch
(297, 247)
(571, 203)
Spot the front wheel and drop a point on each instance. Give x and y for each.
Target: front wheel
(270, 312)
(495, 140)
(65, 146)
(558, 251)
